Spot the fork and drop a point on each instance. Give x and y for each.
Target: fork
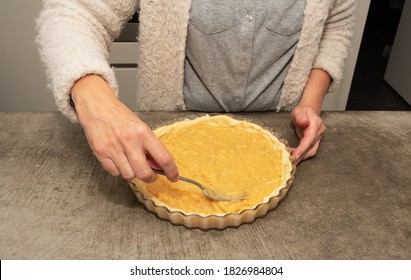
(212, 194)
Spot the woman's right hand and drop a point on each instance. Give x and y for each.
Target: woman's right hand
(120, 140)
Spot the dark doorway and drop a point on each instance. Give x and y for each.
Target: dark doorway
(369, 91)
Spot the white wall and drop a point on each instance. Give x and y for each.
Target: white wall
(22, 79)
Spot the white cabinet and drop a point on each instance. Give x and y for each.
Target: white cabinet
(127, 82)
(398, 69)
(23, 83)
(123, 57)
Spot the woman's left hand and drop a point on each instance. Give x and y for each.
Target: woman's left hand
(309, 128)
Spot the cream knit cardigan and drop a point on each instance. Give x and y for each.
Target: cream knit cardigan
(74, 39)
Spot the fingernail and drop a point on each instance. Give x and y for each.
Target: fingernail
(152, 178)
(297, 159)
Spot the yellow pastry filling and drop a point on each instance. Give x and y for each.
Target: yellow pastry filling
(223, 154)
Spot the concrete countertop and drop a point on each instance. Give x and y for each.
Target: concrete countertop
(352, 201)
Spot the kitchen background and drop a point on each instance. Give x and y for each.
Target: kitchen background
(376, 77)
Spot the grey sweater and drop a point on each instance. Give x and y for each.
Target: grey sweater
(74, 39)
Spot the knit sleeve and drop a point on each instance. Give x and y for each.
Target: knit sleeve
(336, 40)
(74, 38)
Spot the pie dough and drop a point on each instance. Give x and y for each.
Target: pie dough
(221, 153)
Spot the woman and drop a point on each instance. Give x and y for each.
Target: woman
(205, 55)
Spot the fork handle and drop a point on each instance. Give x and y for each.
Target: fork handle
(161, 172)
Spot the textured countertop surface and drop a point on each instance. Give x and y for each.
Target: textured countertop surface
(352, 201)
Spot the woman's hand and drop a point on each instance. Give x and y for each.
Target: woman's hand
(310, 128)
(122, 142)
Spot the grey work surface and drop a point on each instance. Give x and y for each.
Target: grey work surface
(352, 201)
